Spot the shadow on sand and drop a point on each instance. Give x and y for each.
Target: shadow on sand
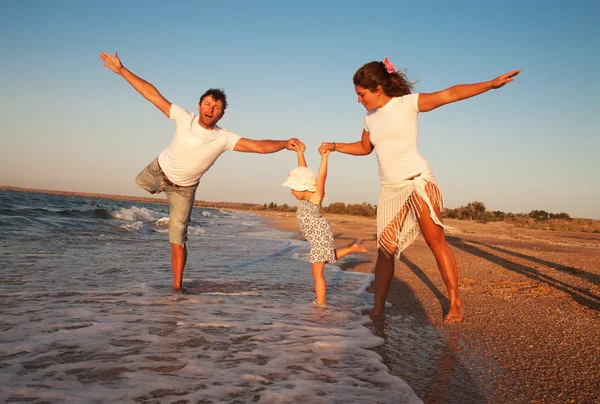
(582, 296)
(415, 350)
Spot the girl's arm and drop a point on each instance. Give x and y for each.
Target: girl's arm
(317, 197)
(301, 159)
(431, 101)
(360, 148)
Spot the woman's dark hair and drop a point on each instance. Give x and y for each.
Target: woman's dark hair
(375, 74)
(217, 94)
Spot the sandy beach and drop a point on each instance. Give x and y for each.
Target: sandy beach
(531, 330)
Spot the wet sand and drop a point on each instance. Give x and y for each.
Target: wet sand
(531, 333)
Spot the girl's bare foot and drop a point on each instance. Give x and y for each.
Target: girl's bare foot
(356, 248)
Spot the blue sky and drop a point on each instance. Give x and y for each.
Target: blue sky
(69, 123)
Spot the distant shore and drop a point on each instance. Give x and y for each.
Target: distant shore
(153, 199)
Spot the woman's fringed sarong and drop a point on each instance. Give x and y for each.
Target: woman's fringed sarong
(398, 212)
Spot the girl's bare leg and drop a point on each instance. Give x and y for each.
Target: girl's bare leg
(320, 283)
(434, 236)
(354, 248)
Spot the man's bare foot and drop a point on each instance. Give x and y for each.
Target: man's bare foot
(456, 313)
(356, 248)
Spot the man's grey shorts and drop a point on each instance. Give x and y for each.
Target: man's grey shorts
(181, 200)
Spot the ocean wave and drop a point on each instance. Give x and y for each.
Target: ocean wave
(135, 213)
(162, 222)
(137, 226)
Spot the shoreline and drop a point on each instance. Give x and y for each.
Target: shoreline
(532, 301)
(531, 297)
(159, 199)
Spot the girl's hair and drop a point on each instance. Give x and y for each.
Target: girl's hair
(375, 74)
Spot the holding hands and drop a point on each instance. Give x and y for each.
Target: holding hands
(327, 147)
(300, 148)
(294, 144)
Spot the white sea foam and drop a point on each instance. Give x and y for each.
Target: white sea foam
(136, 213)
(196, 231)
(132, 226)
(162, 222)
(98, 323)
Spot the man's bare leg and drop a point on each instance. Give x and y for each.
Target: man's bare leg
(178, 259)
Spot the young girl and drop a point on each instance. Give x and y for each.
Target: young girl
(315, 228)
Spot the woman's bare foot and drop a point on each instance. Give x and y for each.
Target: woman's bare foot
(376, 312)
(456, 312)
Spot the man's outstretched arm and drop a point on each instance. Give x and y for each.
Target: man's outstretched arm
(147, 90)
(266, 146)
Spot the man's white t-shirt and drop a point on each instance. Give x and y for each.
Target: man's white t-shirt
(193, 149)
(393, 130)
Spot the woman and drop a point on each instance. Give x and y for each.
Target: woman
(410, 199)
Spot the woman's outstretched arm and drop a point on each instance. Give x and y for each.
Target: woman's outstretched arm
(431, 101)
(360, 148)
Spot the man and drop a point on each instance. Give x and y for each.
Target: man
(196, 145)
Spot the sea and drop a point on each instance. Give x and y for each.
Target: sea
(87, 314)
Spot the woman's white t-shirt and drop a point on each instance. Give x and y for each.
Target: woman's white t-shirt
(393, 130)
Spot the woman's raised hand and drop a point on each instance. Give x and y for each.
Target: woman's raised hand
(505, 78)
(112, 62)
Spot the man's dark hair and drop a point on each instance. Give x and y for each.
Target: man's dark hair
(217, 94)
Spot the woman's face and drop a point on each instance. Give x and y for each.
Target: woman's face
(367, 98)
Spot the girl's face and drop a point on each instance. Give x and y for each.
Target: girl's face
(369, 99)
(299, 195)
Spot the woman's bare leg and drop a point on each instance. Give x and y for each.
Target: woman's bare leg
(384, 267)
(320, 283)
(434, 236)
(384, 273)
